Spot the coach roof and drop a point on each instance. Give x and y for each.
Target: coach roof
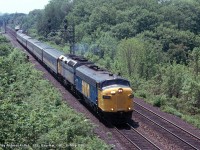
(53, 52)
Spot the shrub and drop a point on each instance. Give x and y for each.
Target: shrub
(159, 100)
(171, 110)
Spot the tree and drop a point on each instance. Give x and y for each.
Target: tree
(146, 21)
(103, 17)
(55, 11)
(123, 30)
(194, 60)
(182, 13)
(107, 46)
(129, 55)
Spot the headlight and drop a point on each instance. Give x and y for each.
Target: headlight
(120, 90)
(112, 92)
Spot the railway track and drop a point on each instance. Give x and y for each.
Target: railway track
(180, 136)
(136, 139)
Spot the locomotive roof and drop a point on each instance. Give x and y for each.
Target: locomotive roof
(93, 74)
(74, 60)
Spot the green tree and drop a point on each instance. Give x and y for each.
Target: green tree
(194, 60)
(51, 18)
(129, 51)
(107, 46)
(103, 16)
(182, 13)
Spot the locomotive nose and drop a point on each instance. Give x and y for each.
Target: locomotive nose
(117, 99)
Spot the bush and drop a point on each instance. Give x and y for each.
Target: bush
(194, 119)
(171, 110)
(159, 100)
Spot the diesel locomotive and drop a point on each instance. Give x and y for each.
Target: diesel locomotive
(109, 95)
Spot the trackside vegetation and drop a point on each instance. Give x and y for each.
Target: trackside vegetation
(153, 43)
(32, 113)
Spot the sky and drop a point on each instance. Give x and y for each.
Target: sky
(21, 6)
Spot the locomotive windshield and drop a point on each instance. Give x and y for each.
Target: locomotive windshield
(115, 82)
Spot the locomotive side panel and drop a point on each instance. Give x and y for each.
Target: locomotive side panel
(66, 72)
(89, 90)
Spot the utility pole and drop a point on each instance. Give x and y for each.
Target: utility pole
(72, 39)
(4, 25)
(70, 31)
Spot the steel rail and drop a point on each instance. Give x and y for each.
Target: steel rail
(165, 128)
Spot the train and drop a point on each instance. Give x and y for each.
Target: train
(109, 95)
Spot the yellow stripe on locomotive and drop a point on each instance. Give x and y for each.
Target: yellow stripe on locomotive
(115, 99)
(85, 89)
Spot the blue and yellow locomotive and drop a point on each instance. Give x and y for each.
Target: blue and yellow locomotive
(107, 94)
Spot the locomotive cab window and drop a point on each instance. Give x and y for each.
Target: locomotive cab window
(115, 82)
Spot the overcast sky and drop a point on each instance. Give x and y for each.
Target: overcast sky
(21, 6)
